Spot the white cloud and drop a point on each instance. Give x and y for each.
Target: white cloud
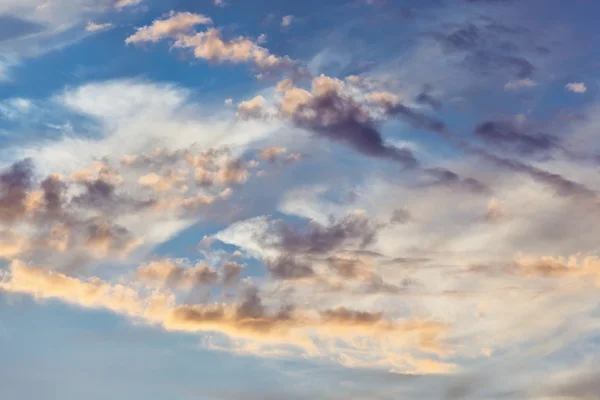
(287, 20)
(173, 26)
(136, 116)
(127, 3)
(94, 27)
(49, 25)
(15, 108)
(576, 87)
(253, 108)
(210, 45)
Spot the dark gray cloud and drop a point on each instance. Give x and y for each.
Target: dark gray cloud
(99, 193)
(251, 307)
(288, 267)
(415, 118)
(102, 196)
(103, 235)
(448, 178)
(487, 47)
(319, 239)
(54, 194)
(426, 98)
(230, 272)
(400, 216)
(585, 386)
(15, 183)
(341, 119)
(347, 268)
(562, 185)
(505, 135)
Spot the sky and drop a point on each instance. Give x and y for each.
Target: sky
(267, 200)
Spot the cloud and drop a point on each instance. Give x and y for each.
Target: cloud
(131, 118)
(518, 84)
(249, 318)
(14, 27)
(289, 268)
(43, 283)
(175, 25)
(508, 136)
(576, 386)
(328, 112)
(415, 118)
(270, 154)
(127, 3)
(318, 239)
(253, 108)
(486, 46)
(563, 186)
(176, 275)
(287, 20)
(94, 27)
(448, 178)
(447, 267)
(576, 87)
(231, 272)
(426, 98)
(211, 46)
(557, 268)
(14, 186)
(111, 200)
(34, 28)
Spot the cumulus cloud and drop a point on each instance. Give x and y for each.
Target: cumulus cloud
(253, 108)
(211, 46)
(576, 87)
(289, 268)
(177, 275)
(329, 112)
(173, 26)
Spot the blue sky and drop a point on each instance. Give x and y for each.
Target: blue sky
(335, 199)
